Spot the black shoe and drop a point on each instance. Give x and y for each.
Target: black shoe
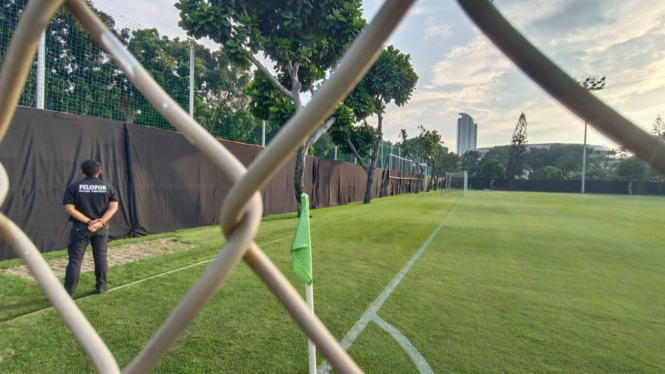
(102, 289)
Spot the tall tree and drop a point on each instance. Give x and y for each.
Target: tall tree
(470, 162)
(419, 148)
(303, 38)
(221, 102)
(500, 154)
(632, 169)
(658, 128)
(554, 173)
(436, 159)
(493, 169)
(442, 162)
(390, 79)
(517, 151)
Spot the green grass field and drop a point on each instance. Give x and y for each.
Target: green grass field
(514, 282)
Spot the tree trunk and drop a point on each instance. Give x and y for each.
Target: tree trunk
(370, 176)
(420, 182)
(372, 162)
(431, 185)
(299, 175)
(299, 172)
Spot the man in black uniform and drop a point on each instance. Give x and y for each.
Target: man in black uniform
(90, 203)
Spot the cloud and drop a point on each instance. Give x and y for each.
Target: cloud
(436, 29)
(461, 71)
(477, 62)
(621, 39)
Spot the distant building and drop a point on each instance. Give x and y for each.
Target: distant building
(598, 148)
(466, 134)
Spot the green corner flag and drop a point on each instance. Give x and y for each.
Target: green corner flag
(301, 248)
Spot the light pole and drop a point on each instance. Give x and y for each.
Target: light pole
(591, 83)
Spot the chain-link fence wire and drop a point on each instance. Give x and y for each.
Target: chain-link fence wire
(241, 213)
(326, 148)
(11, 11)
(80, 78)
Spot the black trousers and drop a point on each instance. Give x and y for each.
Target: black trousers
(79, 238)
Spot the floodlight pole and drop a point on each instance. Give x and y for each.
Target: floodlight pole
(41, 72)
(584, 158)
(191, 81)
(591, 83)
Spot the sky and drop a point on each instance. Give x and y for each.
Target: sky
(461, 71)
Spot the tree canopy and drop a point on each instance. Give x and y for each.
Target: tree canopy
(554, 173)
(390, 79)
(517, 150)
(420, 148)
(304, 39)
(632, 169)
(470, 162)
(492, 169)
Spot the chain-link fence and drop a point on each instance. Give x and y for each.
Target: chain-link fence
(391, 156)
(80, 78)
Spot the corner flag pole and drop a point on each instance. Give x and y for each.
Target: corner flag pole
(301, 249)
(311, 347)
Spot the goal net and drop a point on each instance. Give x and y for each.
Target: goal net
(457, 183)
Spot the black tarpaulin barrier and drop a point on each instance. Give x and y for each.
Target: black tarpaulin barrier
(571, 186)
(163, 182)
(42, 153)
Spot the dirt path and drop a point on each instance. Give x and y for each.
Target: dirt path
(119, 255)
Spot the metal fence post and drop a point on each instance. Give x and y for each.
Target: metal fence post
(263, 133)
(390, 158)
(191, 81)
(383, 162)
(41, 72)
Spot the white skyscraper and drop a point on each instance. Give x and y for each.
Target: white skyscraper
(466, 134)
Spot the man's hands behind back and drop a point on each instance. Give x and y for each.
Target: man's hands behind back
(95, 225)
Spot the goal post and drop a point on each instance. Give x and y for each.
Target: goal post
(457, 183)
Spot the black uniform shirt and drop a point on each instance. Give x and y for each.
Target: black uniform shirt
(90, 196)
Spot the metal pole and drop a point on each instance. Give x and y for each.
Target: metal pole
(383, 162)
(390, 158)
(584, 159)
(263, 133)
(311, 347)
(335, 153)
(41, 72)
(191, 81)
(399, 154)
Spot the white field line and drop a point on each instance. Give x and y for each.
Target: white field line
(410, 349)
(370, 313)
(191, 265)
